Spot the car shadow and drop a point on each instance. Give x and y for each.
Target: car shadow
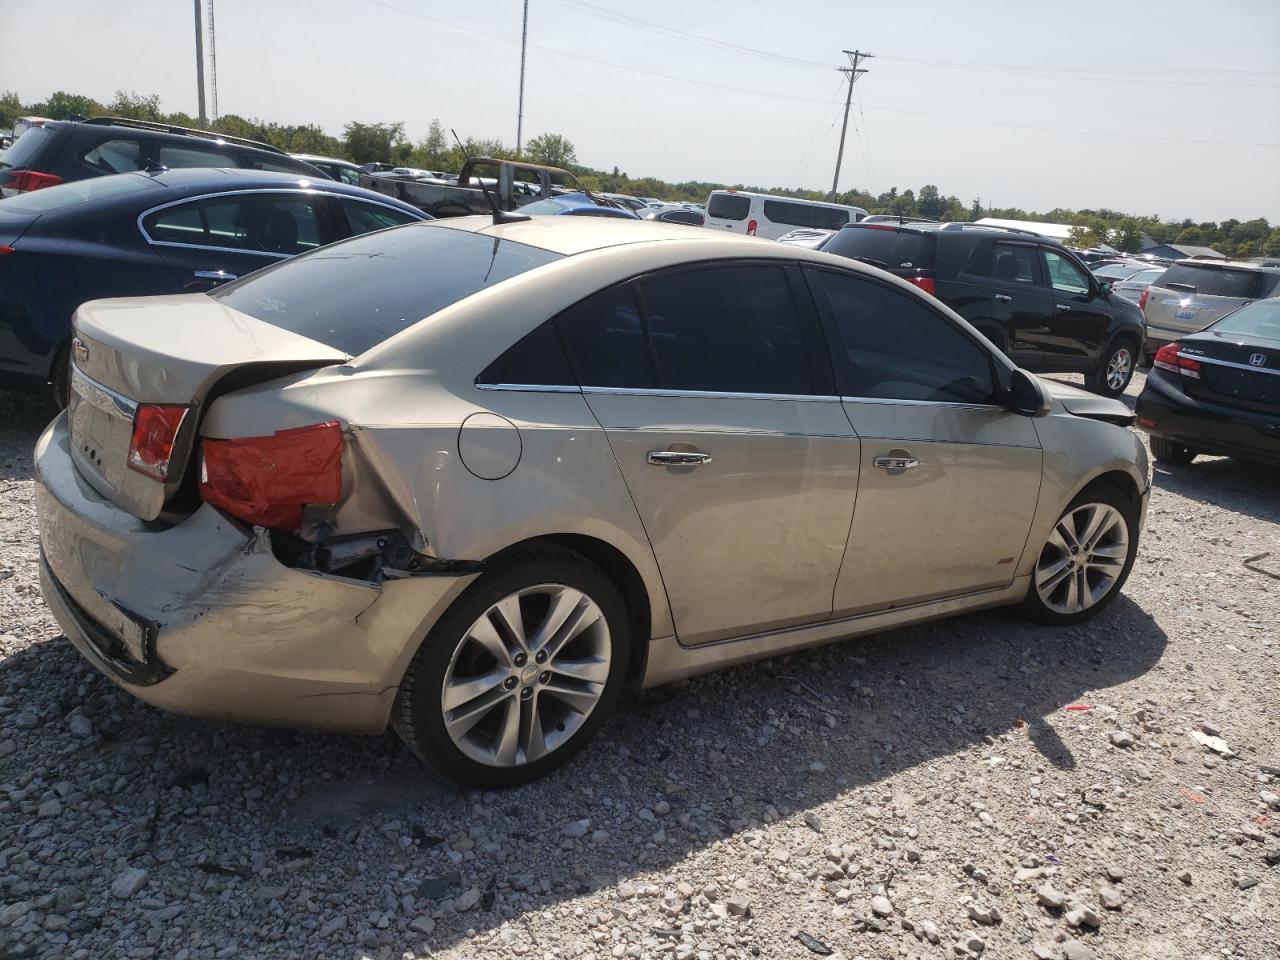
(236, 809)
(1239, 486)
(22, 417)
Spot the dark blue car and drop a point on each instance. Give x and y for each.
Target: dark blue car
(137, 234)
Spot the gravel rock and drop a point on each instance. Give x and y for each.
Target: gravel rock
(1075, 950)
(128, 882)
(1049, 896)
(576, 828)
(881, 906)
(1122, 739)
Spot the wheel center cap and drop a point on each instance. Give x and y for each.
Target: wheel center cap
(529, 676)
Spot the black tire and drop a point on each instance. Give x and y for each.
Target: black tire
(60, 377)
(418, 714)
(1101, 492)
(1096, 380)
(1166, 451)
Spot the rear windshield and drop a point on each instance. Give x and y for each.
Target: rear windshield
(353, 295)
(25, 148)
(890, 248)
(1261, 320)
(728, 206)
(1212, 281)
(78, 191)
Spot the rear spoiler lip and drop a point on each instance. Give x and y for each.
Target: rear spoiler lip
(1188, 287)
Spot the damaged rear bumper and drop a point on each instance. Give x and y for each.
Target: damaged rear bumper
(201, 618)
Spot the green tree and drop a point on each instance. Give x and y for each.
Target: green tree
(1127, 236)
(931, 204)
(372, 142)
(10, 110)
(62, 106)
(1271, 246)
(135, 106)
(552, 149)
(1190, 234)
(435, 148)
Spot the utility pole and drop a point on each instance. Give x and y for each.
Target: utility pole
(524, 41)
(200, 64)
(853, 71)
(213, 68)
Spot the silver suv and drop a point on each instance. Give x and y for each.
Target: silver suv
(473, 479)
(1194, 293)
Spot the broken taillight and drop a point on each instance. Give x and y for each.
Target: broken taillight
(927, 284)
(267, 481)
(155, 427)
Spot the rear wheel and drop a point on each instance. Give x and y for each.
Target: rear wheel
(1114, 371)
(60, 377)
(1086, 558)
(1167, 451)
(519, 674)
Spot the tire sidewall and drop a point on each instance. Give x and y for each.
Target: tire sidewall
(419, 709)
(1036, 608)
(1099, 376)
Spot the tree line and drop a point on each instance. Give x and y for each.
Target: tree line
(387, 143)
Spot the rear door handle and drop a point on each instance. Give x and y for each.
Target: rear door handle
(218, 275)
(1003, 298)
(678, 458)
(1061, 307)
(896, 464)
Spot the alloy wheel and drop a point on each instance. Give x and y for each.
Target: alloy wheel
(1083, 558)
(1119, 368)
(526, 675)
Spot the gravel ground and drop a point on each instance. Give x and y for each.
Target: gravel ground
(978, 786)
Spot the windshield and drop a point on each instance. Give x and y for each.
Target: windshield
(355, 294)
(1260, 320)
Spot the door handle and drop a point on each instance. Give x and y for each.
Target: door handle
(218, 275)
(896, 464)
(1061, 307)
(1003, 298)
(678, 458)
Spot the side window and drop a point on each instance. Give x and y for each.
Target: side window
(898, 348)
(367, 217)
(1016, 263)
(262, 223)
(258, 223)
(1064, 275)
(115, 156)
(732, 329)
(180, 224)
(606, 340)
(182, 155)
(536, 359)
(274, 166)
(347, 175)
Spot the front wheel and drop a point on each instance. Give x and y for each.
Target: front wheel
(1114, 372)
(519, 673)
(1086, 558)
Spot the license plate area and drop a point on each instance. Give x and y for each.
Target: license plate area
(101, 424)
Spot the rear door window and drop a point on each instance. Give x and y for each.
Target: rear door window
(1213, 281)
(27, 148)
(728, 206)
(186, 155)
(366, 217)
(889, 249)
(272, 223)
(116, 156)
(1016, 263)
(805, 215)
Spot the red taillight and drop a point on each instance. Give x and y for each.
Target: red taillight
(1168, 358)
(927, 284)
(24, 181)
(5, 248)
(751, 228)
(268, 480)
(879, 226)
(155, 427)
(1142, 300)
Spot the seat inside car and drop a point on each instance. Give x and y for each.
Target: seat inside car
(281, 232)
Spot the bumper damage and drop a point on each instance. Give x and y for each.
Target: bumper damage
(203, 618)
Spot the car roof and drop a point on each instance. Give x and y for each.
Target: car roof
(570, 236)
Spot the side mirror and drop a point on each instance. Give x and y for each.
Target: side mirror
(1027, 395)
(1104, 288)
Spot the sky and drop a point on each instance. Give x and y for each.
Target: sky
(1166, 107)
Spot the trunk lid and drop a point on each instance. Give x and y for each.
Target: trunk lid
(181, 350)
(1233, 373)
(1193, 294)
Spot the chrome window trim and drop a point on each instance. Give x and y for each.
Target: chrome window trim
(104, 398)
(923, 403)
(706, 394)
(311, 192)
(530, 387)
(1231, 363)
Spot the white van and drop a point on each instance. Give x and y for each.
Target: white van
(766, 215)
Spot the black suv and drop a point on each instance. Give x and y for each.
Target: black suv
(65, 150)
(1029, 296)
